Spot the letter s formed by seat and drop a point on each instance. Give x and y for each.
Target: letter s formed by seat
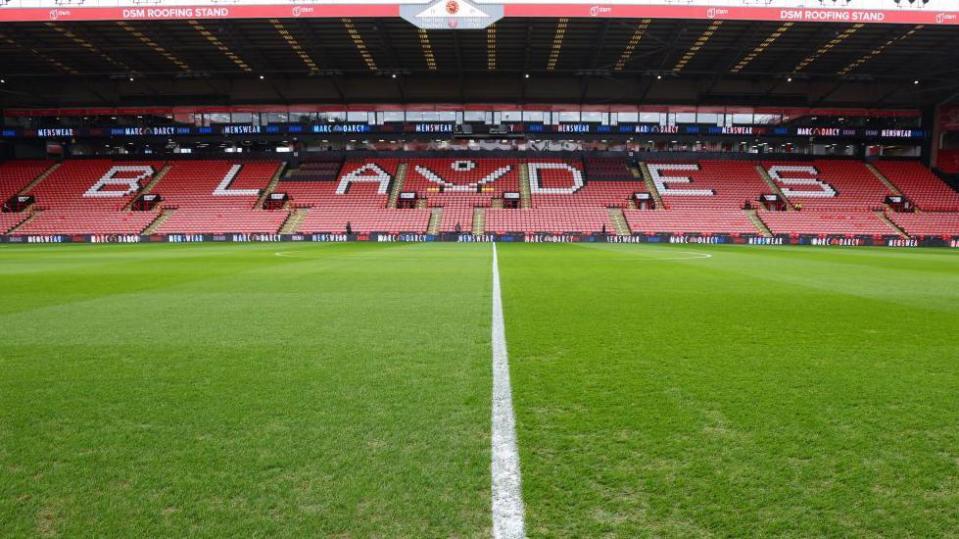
(825, 190)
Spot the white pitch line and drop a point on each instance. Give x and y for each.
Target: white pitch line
(508, 520)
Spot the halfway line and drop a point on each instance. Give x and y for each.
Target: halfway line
(508, 521)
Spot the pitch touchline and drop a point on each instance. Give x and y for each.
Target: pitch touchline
(508, 521)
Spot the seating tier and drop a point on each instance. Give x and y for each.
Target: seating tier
(73, 221)
(920, 185)
(709, 221)
(927, 223)
(822, 223)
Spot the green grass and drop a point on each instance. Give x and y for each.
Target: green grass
(225, 391)
(343, 390)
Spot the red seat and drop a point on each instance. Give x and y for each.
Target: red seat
(705, 221)
(15, 175)
(711, 185)
(920, 185)
(10, 220)
(927, 223)
(548, 220)
(820, 223)
(323, 193)
(363, 220)
(69, 187)
(461, 182)
(212, 220)
(74, 221)
(843, 185)
(87, 197)
(194, 184)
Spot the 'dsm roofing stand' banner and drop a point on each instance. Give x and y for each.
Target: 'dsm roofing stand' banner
(475, 14)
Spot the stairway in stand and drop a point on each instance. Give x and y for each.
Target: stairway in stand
(31, 217)
(772, 185)
(650, 185)
(882, 177)
(479, 221)
(436, 217)
(893, 227)
(525, 196)
(149, 187)
(162, 218)
(397, 186)
(39, 179)
(619, 221)
(271, 186)
(760, 225)
(293, 221)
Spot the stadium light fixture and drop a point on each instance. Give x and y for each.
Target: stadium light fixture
(526, 75)
(262, 77)
(915, 81)
(393, 75)
(659, 77)
(3, 81)
(789, 79)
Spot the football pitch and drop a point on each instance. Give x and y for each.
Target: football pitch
(345, 390)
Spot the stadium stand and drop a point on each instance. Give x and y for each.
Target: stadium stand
(683, 221)
(16, 175)
(454, 215)
(614, 169)
(74, 221)
(608, 182)
(364, 182)
(840, 185)
(823, 222)
(927, 223)
(948, 161)
(461, 182)
(920, 185)
(94, 185)
(215, 184)
(316, 170)
(365, 220)
(10, 220)
(558, 184)
(606, 194)
(219, 196)
(222, 220)
(707, 184)
(548, 220)
(88, 197)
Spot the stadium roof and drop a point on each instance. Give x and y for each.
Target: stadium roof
(540, 60)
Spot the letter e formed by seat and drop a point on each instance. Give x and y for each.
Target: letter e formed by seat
(656, 171)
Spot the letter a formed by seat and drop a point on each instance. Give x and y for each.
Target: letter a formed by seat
(367, 173)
